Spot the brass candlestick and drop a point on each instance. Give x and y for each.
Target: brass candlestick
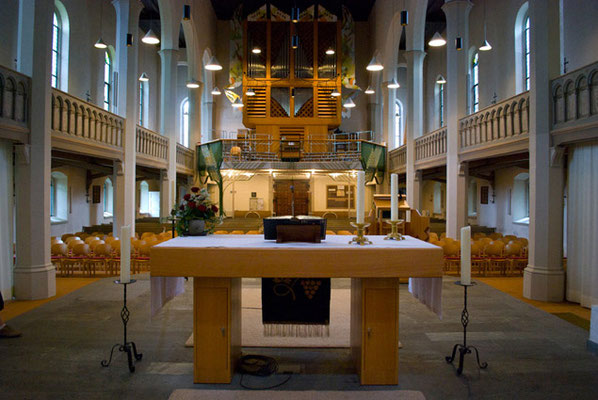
(360, 239)
(394, 230)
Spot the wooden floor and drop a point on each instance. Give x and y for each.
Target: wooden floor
(64, 286)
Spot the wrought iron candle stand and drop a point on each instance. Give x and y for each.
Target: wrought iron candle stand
(464, 348)
(394, 230)
(128, 347)
(360, 239)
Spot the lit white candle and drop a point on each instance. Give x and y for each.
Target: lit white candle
(394, 194)
(466, 255)
(125, 254)
(360, 198)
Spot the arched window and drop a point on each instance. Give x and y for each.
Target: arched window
(144, 198)
(107, 81)
(108, 198)
(475, 82)
(520, 200)
(522, 48)
(60, 47)
(142, 102)
(472, 198)
(440, 103)
(526, 52)
(184, 134)
(399, 139)
(58, 197)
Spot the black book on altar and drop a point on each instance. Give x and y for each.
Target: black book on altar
(271, 223)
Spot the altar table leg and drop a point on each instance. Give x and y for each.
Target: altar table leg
(216, 328)
(375, 329)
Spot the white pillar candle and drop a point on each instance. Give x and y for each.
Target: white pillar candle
(125, 254)
(466, 255)
(360, 198)
(394, 194)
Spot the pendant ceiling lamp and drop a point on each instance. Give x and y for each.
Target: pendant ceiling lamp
(335, 93)
(250, 92)
(458, 43)
(349, 103)
(295, 14)
(393, 84)
(150, 38)
(437, 40)
(295, 42)
(485, 45)
(441, 80)
(186, 12)
(216, 91)
(370, 90)
(237, 103)
(374, 65)
(100, 43)
(330, 51)
(143, 77)
(256, 50)
(213, 65)
(193, 84)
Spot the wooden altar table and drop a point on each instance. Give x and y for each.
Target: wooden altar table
(218, 262)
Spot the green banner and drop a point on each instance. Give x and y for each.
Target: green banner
(209, 161)
(373, 161)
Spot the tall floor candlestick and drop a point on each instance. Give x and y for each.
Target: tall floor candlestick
(466, 255)
(394, 194)
(125, 254)
(360, 198)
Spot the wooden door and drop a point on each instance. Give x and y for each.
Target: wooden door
(289, 194)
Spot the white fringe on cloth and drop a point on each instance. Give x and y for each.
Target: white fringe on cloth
(296, 330)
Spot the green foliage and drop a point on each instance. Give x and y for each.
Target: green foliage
(196, 205)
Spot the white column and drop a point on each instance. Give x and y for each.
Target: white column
(34, 275)
(127, 106)
(457, 16)
(414, 126)
(168, 114)
(195, 117)
(543, 279)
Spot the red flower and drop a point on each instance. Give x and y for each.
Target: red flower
(191, 204)
(214, 208)
(187, 197)
(195, 189)
(202, 208)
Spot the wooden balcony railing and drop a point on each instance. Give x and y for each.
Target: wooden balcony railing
(575, 98)
(498, 123)
(397, 158)
(431, 145)
(185, 157)
(79, 119)
(15, 95)
(151, 144)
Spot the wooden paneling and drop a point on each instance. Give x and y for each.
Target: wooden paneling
(256, 105)
(283, 197)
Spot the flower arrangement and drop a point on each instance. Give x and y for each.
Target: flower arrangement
(196, 206)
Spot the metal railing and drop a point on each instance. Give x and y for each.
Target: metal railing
(15, 94)
(397, 158)
(151, 144)
(498, 123)
(575, 97)
(77, 118)
(431, 145)
(185, 157)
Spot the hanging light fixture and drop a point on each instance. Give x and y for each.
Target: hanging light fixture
(192, 84)
(393, 84)
(129, 39)
(144, 77)
(437, 40)
(295, 14)
(370, 90)
(404, 16)
(216, 91)
(295, 42)
(150, 38)
(485, 45)
(374, 65)
(250, 92)
(441, 80)
(349, 103)
(213, 65)
(330, 51)
(292, 92)
(186, 12)
(100, 44)
(256, 50)
(335, 93)
(458, 43)
(237, 103)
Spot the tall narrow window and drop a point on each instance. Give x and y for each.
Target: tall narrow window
(107, 81)
(52, 197)
(441, 104)
(141, 103)
(184, 134)
(526, 52)
(475, 82)
(56, 44)
(398, 124)
(108, 198)
(144, 198)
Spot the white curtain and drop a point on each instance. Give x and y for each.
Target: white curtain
(582, 224)
(6, 219)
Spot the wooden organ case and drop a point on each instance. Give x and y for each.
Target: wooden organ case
(292, 103)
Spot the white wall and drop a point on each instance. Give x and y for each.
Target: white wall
(9, 18)
(434, 65)
(580, 32)
(78, 214)
(504, 207)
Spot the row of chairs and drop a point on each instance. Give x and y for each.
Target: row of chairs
(259, 232)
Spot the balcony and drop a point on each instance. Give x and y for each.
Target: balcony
(500, 129)
(152, 148)
(430, 149)
(15, 96)
(574, 111)
(185, 160)
(397, 160)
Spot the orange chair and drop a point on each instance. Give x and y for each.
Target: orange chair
(102, 252)
(478, 235)
(59, 251)
(221, 233)
(76, 261)
(344, 232)
(70, 239)
(237, 232)
(253, 233)
(433, 237)
(90, 239)
(329, 232)
(497, 261)
(516, 257)
(479, 263)
(495, 235)
(452, 260)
